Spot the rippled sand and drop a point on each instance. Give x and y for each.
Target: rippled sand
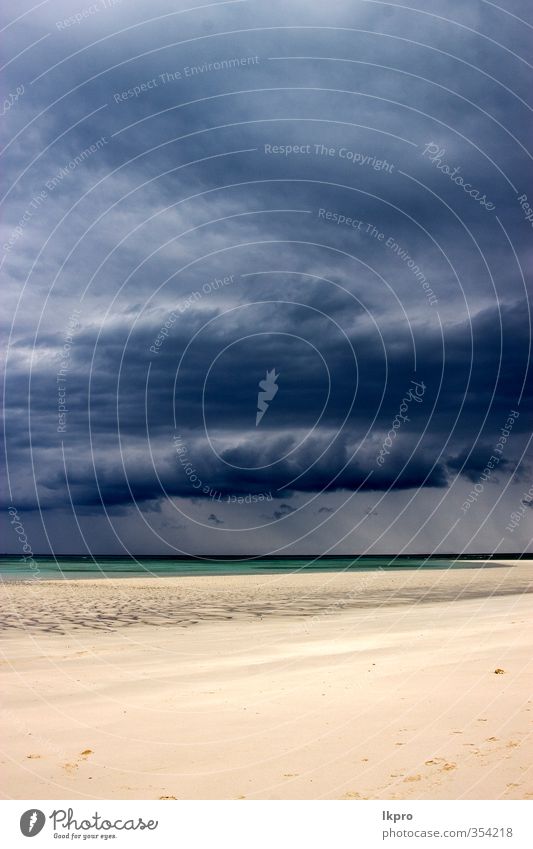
(102, 604)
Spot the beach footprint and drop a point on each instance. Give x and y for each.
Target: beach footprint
(70, 768)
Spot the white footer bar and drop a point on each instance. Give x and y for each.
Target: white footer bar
(249, 824)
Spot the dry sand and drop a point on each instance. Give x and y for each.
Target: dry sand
(339, 686)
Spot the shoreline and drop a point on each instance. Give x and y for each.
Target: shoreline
(63, 605)
(9, 577)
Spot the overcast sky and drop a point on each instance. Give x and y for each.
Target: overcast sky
(334, 194)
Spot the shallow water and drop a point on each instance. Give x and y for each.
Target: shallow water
(13, 568)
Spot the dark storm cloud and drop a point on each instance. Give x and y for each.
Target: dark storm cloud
(472, 463)
(134, 396)
(138, 230)
(284, 510)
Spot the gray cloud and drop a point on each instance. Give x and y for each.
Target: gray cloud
(196, 255)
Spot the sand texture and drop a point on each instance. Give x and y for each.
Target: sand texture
(396, 685)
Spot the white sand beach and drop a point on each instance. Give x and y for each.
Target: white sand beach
(392, 685)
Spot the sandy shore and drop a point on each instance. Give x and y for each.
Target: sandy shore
(341, 686)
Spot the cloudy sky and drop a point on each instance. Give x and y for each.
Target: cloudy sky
(327, 199)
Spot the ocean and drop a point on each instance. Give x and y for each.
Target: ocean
(70, 567)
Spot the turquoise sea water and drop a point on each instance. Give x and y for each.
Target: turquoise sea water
(13, 568)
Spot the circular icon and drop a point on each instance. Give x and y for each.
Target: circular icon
(32, 822)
